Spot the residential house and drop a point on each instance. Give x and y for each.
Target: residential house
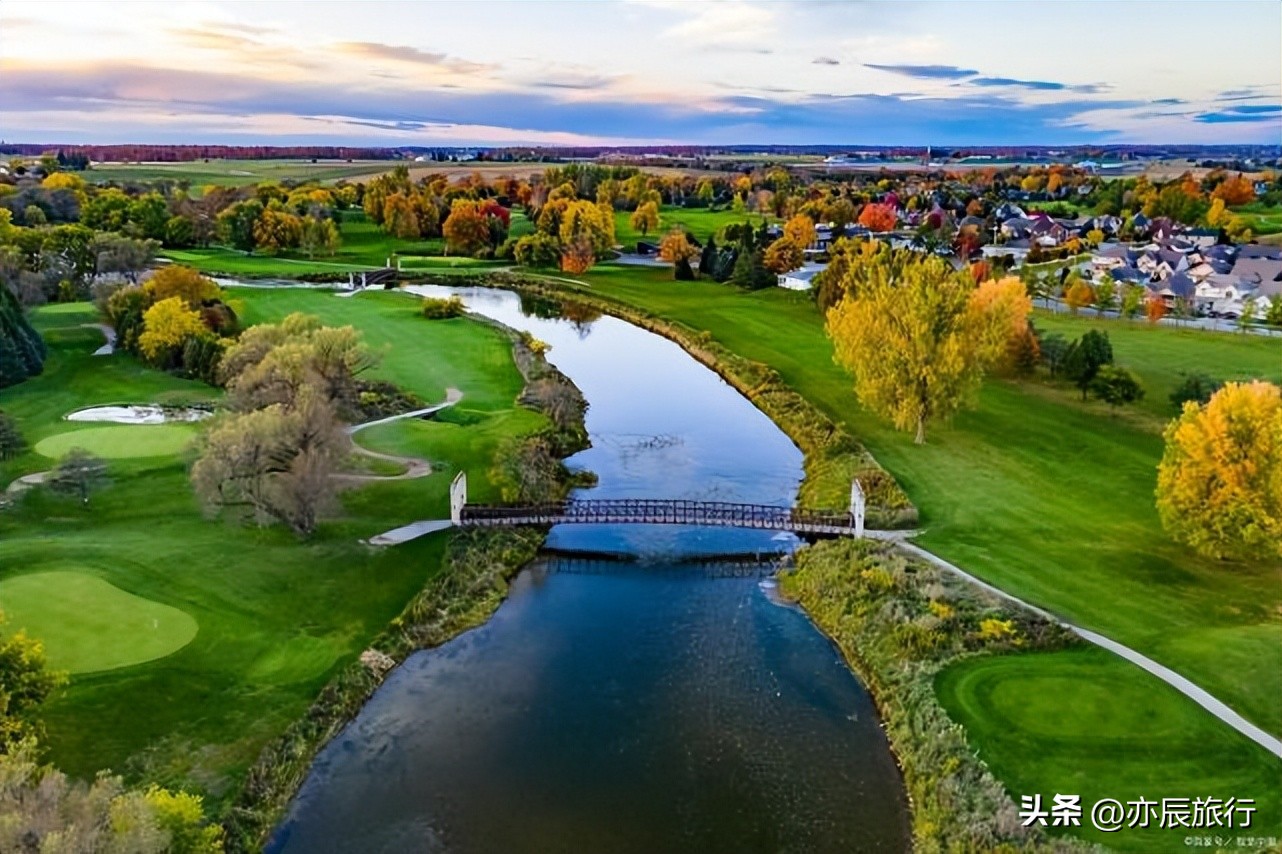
(1016, 249)
(800, 280)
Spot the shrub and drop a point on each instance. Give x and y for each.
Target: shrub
(442, 309)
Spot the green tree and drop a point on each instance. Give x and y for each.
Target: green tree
(1273, 315)
(1133, 301)
(11, 442)
(1085, 357)
(148, 215)
(1105, 295)
(538, 250)
(236, 225)
(1194, 387)
(78, 473)
(1116, 386)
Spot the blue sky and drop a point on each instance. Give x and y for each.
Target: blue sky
(717, 72)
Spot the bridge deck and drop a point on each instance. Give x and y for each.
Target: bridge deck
(658, 511)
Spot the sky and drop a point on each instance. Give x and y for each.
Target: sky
(719, 72)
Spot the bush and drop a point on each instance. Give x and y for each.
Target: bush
(11, 442)
(442, 309)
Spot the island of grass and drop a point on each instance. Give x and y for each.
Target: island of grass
(276, 617)
(120, 441)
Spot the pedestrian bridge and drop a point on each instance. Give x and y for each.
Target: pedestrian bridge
(659, 511)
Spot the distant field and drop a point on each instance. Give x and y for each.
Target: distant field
(699, 221)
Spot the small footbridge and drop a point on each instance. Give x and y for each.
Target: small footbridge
(659, 511)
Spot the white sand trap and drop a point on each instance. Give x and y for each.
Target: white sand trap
(149, 414)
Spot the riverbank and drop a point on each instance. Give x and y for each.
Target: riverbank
(832, 456)
(477, 567)
(899, 623)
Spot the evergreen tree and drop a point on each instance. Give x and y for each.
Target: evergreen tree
(22, 350)
(1085, 357)
(708, 258)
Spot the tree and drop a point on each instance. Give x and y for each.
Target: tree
(11, 442)
(1218, 215)
(1078, 294)
(1105, 296)
(78, 473)
(1094, 237)
(1132, 301)
(645, 218)
(1085, 357)
(1219, 485)
(676, 247)
(800, 229)
(578, 257)
(1273, 313)
(186, 283)
(1237, 190)
(538, 250)
(22, 350)
(1053, 348)
(1154, 308)
(44, 810)
(919, 340)
(236, 225)
(319, 235)
(276, 229)
(166, 327)
(878, 218)
(466, 229)
(25, 683)
(148, 215)
(783, 255)
(585, 221)
(1194, 387)
(1116, 386)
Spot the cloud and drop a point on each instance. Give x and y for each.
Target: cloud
(1238, 115)
(824, 60)
(729, 22)
(1009, 81)
(1255, 108)
(214, 39)
(1170, 101)
(574, 81)
(927, 72)
(413, 55)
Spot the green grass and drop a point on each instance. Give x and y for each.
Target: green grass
(277, 616)
(700, 222)
(1261, 218)
(1083, 722)
(88, 625)
(235, 173)
(120, 441)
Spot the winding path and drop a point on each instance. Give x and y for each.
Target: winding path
(1185, 686)
(415, 466)
(110, 334)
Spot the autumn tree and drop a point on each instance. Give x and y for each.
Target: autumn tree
(645, 218)
(25, 683)
(466, 230)
(800, 229)
(919, 340)
(236, 225)
(537, 250)
(1094, 237)
(166, 327)
(878, 218)
(1218, 215)
(319, 235)
(578, 257)
(1078, 294)
(1237, 190)
(186, 283)
(1154, 308)
(1219, 485)
(277, 230)
(783, 255)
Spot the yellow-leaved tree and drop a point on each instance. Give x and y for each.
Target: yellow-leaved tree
(645, 218)
(800, 230)
(1219, 485)
(918, 337)
(166, 327)
(176, 280)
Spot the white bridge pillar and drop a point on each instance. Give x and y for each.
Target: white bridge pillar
(458, 497)
(857, 505)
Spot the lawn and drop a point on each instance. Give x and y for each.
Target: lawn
(236, 173)
(87, 624)
(120, 441)
(1261, 218)
(1048, 497)
(275, 616)
(1082, 722)
(700, 222)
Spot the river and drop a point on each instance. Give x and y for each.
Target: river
(656, 706)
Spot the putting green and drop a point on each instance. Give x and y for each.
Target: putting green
(120, 440)
(88, 625)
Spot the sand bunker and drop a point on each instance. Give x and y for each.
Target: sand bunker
(148, 414)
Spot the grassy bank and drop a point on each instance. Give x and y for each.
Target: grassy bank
(276, 619)
(1050, 714)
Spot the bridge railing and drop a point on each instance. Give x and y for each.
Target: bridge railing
(657, 511)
